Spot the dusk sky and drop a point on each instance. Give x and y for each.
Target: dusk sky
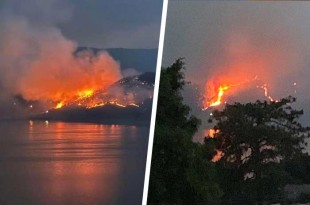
(132, 24)
(96, 23)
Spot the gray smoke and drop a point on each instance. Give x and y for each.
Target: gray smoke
(236, 39)
(36, 59)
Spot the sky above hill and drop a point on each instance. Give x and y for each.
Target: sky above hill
(96, 23)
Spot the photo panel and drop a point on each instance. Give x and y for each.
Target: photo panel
(76, 90)
(232, 120)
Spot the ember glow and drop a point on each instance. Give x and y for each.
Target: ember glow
(211, 133)
(218, 97)
(88, 100)
(80, 96)
(215, 92)
(266, 93)
(245, 62)
(111, 102)
(85, 93)
(59, 105)
(113, 95)
(133, 104)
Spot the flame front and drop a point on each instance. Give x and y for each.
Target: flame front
(85, 93)
(215, 90)
(88, 99)
(59, 105)
(75, 99)
(217, 100)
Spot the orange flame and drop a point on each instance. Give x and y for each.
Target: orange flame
(211, 133)
(218, 97)
(266, 93)
(85, 93)
(215, 91)
(59, 105)
(70, 79)
(133, 104)
(88, 100)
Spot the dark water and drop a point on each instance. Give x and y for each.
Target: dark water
(60, 163)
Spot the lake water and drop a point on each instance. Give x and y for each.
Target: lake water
(57, 163)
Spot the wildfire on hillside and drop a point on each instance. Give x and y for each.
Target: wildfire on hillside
(216, 91)
(90, 99)
(132, 92)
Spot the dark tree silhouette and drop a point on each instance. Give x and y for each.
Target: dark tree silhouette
(256, 141)
(181, 171)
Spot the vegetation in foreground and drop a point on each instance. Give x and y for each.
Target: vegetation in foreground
(261, 145)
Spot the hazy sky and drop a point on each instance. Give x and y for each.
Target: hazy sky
(271, 39)
(133, 24)
(194, 27)
(97, 23)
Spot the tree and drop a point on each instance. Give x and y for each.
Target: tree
(299, 169)
(256, 139)
(181, 171)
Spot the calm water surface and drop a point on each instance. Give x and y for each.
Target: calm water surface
(60, 163)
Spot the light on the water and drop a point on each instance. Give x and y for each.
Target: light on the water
(30, 123)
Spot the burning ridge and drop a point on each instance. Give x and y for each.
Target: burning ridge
(215, 91)
(127, 101)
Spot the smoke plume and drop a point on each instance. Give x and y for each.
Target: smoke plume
(37, 61)
(233, 42)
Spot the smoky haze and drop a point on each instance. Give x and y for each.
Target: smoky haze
(235, 41)
(37, 61)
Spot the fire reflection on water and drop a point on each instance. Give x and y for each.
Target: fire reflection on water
(73, 163)
(76, 164)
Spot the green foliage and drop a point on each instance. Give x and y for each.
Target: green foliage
(181, 171)
(256, 140)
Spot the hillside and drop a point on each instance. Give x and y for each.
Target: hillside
(140, 86)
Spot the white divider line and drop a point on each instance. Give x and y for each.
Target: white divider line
(155, 98)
